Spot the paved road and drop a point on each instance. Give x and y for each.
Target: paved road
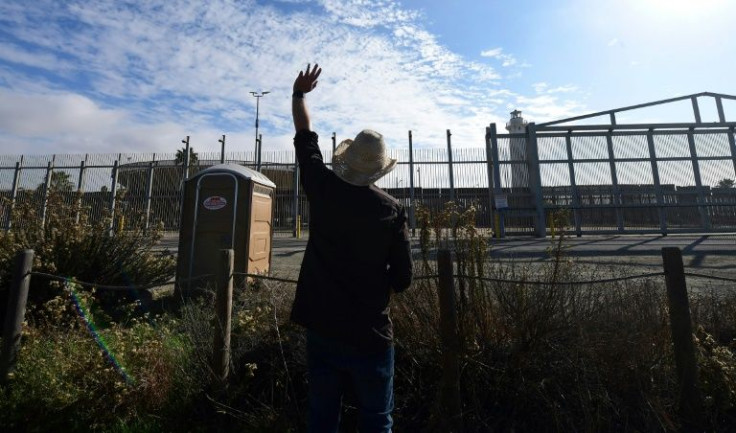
(713, 254)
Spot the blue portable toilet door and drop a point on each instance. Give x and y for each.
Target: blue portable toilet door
(214, 220)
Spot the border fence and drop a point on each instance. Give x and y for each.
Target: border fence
(602, 178)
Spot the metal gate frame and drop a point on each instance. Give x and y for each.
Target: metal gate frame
(531, 204)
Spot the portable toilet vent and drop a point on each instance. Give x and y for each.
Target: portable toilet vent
(226, 206)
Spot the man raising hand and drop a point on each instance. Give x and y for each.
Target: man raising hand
(357, 255)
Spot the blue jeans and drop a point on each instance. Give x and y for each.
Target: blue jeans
(329, 364)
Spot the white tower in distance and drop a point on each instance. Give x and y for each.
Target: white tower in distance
(517, 148)
(517, 124)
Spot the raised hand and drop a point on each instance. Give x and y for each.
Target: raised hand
(307, 80)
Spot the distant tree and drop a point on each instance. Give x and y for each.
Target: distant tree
(181, 156)
(726, 183)
(60, 182)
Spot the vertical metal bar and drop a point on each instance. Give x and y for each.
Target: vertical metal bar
(46, 188)
(113, 193)
(412, 203)
(535, 178)
(260, 151)
(497, 188)
(657, 185)
(14, 194)
(696, 109)
(489, 174)
(449, 164)
(222, 149)
(732, 145)
(334, 142)
(185, 176)
(617, 201)
(613, 118)
(80, 188)
(187, 160)
(721, 113)
(573, 185)
(295, 198)
(149, 194)
(702, 204)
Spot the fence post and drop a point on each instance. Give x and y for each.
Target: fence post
(46, 188)
(223, 317)
(703, 208)
(535, 179)
(149, 194)
(682, 334)
(617, 199)
(489, 173)
(222, 151)
(492, 154)
(295, 199)
(450, 388)
(573, 185)
(187, 160)
(14, 194)
(732, 144)
(113, 193)
(15, 312)
(412, 202)
(80, 188)
(449, 163)
(260, 151)
(657, 185)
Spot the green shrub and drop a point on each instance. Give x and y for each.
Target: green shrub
(84, 378)
(69, 244)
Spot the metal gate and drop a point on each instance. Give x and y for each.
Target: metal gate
(617, 178)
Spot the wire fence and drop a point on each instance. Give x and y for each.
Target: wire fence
(655, 179)
(106, 287)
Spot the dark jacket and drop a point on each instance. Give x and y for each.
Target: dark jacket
(358, 251)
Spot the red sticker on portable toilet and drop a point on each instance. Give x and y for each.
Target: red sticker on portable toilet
(214, 202)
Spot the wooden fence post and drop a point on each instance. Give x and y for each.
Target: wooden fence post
(15, 313)
(450, 388)
(682, 334)
(223, 317)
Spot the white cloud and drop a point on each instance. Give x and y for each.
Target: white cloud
(497, 53)
(494, 52)
(146, 75)
(613, 42)
(14, 54)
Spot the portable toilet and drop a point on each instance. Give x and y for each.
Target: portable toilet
(226, 206)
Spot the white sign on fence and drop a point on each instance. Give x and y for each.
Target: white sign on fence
(502, 201)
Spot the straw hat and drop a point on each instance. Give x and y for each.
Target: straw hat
(362, 161)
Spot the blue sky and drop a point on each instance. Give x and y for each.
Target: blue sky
(108, 76)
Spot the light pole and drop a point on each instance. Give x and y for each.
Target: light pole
(258, 97)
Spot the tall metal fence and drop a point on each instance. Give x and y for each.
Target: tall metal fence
(618, 178)
(146, 188)
(593, 179)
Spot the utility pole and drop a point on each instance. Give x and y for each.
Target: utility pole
(258, 96)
